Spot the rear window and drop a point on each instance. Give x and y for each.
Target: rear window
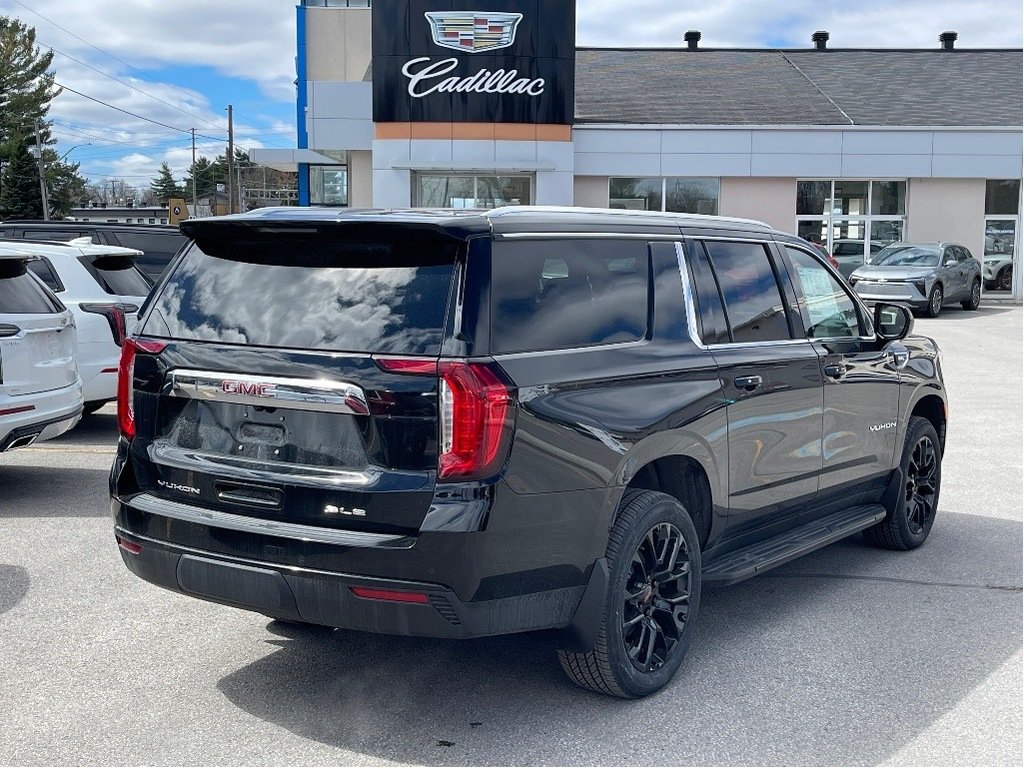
(22, 294)
(561, 294)
(118, 275)
(385, 296)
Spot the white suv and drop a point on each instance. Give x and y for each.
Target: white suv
(40, 390)
(103, 288)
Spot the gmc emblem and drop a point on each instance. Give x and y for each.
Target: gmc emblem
(254, 389)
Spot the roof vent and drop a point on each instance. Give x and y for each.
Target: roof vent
(820, 39)
(691, 38)
(947, 39)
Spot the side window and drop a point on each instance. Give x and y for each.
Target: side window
(22, 294)
(754, 307)
(560, 294)
(963, 255)
(44, 271)
(828, 312)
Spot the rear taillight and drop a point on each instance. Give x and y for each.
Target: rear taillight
(125, 383)
(476, 412)
(115, 314)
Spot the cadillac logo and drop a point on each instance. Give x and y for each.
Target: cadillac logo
(473, 32)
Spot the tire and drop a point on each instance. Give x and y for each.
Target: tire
(975, 301)
(909, 523)
(646, 623)
(934, 302)
(1004, 280)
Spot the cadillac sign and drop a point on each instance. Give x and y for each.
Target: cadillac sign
(498, 62)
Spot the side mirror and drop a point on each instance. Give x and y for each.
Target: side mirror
(950, 263)
(893, 322)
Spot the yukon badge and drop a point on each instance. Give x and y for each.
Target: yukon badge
(887, 425)
(332, 509)
(177, 487)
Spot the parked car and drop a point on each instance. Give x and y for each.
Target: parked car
(924, 275)
(458, 424)
(40, 390)
(849, 254)
(104, 289)
(157, 243)
(997, 271)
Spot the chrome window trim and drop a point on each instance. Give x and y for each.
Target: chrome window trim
(319, 395)
(583, 236)
(154, 505)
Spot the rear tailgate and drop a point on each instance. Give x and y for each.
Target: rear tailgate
(268, 399)
(37, 339)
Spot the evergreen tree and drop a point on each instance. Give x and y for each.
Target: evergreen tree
(26, 88)
(20, 197)
(164, 186)
(65, 188)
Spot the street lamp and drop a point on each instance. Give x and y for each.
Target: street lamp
(61, 158)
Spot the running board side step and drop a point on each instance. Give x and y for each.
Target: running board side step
(757, 558)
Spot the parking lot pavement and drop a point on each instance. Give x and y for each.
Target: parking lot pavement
(850, 655)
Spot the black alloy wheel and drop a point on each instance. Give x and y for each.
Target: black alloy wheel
(908, 523)
(935, 301)
(651, 603)
(974, 301)
(1004, 280)
(656, 599)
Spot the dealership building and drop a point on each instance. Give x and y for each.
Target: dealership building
(454, 104)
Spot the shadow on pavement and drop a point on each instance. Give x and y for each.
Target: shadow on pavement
(14, 581)
(845, 665)
(45, 491)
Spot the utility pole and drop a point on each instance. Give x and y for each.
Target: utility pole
(231, 163)
(195, 203)
(42, 175)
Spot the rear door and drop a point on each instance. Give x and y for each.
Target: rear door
(772, 382)
(37, 340)
(284, 390)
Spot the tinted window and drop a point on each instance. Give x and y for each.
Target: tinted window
(152, 243)
(55, 234)
(382, 296)
(828, 312)
(753, 303)
(962, 254)
(20, 293)
(567, 293)
(119, 275)
(43, 270)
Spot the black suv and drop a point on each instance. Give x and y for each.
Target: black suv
(158, 243)
(458, 424)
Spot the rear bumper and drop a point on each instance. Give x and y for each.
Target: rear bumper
(52, 414)
(323, 597)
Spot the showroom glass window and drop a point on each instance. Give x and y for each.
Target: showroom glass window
(328, 185)
(465, 191)
(674, 193)
(854, 218)
(1002, 223)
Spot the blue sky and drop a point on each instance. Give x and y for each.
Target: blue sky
(179, 63)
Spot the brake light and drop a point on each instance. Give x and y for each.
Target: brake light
(125, 381)
(476, 410)
(115, 315)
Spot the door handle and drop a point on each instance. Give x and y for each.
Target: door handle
(835, 370)
(749, 383)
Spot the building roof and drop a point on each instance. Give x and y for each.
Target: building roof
(879, 87)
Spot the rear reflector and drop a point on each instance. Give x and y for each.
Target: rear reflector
(19, 409)
(408, 365)
(390, 594)
(129, 546)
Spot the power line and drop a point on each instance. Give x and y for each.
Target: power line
(132, 114)
(82, 39)
(129, 85)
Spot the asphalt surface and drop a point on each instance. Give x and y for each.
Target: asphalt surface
(850, 656)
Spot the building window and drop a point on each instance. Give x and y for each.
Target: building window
(1002, 222)
(337, 3)
(328, 185)
(461, 191)
(676, 194)
(851, 218)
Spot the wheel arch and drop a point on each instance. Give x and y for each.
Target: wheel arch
(933, 408)
(685, 479)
